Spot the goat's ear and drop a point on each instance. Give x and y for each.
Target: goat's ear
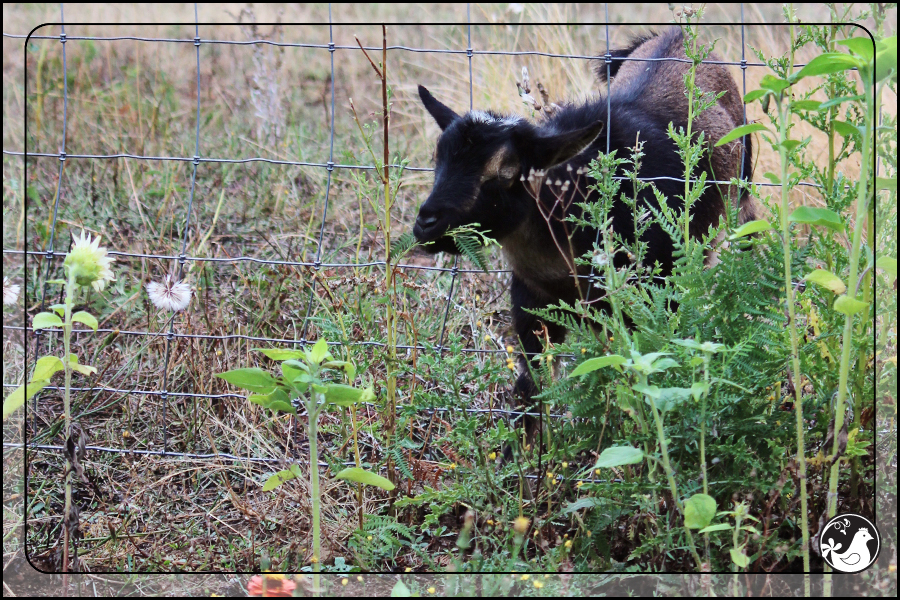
(552, 150)
(441, 113)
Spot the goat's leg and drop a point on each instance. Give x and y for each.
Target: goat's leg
(530, 331)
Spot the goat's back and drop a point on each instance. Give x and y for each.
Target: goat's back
(658, 86)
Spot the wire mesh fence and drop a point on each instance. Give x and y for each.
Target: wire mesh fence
(172, 333)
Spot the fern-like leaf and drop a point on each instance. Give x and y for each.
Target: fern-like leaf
(402, 244)
(471, 247)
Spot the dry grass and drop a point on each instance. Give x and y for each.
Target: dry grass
(140, 97)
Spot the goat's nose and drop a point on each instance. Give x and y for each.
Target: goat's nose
(427, 218)
(426, 221)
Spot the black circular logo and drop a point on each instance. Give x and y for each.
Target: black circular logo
(849, 543)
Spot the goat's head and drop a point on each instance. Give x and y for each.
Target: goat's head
(482, 163)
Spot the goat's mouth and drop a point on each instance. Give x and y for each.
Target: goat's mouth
(431, 235)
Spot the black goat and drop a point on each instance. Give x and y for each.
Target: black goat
(493, 170)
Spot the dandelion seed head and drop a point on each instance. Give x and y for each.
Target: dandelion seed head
(170, 294)
(10, 291)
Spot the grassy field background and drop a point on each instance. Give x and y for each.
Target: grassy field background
(256, 101)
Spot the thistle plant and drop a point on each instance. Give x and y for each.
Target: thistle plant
(86, 265)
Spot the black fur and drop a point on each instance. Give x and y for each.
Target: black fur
(483, 163)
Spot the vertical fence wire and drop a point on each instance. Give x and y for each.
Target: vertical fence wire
(178, 263)
(330, 167)
(744, 108)
(455, 270)
(608, 63)
(48, 250)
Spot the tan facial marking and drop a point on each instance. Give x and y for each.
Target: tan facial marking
(493, 166)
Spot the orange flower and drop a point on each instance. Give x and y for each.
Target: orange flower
(276, 586)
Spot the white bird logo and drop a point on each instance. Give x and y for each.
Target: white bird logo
(853, 559)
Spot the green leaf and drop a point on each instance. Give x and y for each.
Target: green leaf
(253, 379)
(830, 62)
(751, 529)
(319, 352)
(402, 244)
(750, 228)
(471, 247)
(45, 319)
(775, 84)
(46, 366)
(277, 400)
(347, 395)
(400, 590)
(365, 477)
(22, 393)
(828, 280)
(698, 388)
(840, 100)
(583, 503)
(276, 479)
(651, 391)
(739, 558)
(790, 145)
(717, 527)
(845, 129)
(280, 406)
(334, 364)
(79, 368)
(885, 58)
(755, 95)
(860, 46)
(291, 372)
(806, 105)
(664, 363)
(280, 353)
(888, 265)
(848, 305)
(299, 364)
(699, 511)
(59, 309)
(350, 370)
(741, 132)
(772, 177)
(86, 318)
(592, 364)
(813, 215)
(618, 456)
(886, 183)
(671, 397)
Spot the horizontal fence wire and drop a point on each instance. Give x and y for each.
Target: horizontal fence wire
(179, 261)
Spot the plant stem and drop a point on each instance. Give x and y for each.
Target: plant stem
(703, 424)
(67, 412)
(847, 340)
(688, 166)
(317, 400)
(389, 283)
(390, 316)
(670, 474)
(738, 513)
(784, 115)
